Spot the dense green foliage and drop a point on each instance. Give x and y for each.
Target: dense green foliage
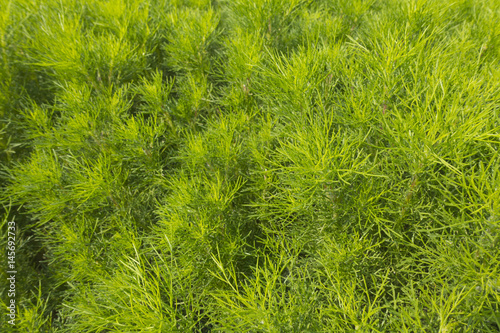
(251, 165)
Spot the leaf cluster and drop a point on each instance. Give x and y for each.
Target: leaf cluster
(252, 166)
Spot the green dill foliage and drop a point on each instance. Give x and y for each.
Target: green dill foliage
(251, 165)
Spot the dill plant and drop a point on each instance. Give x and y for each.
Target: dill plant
(251, 166)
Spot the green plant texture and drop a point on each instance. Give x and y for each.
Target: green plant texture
(251, 165)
